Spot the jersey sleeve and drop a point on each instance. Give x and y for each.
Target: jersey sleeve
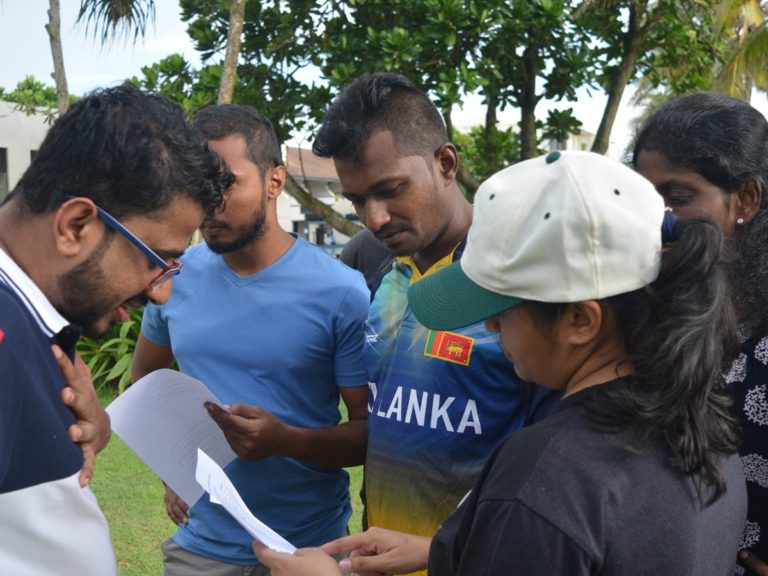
(154, 326)
(349, 335)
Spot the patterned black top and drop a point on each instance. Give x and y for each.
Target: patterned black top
(748, 378)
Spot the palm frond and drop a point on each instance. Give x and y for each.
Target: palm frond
(747, 63)
(111, 20)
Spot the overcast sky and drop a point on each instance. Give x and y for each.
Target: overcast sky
(25, 48)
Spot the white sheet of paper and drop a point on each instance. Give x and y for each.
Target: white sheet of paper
(214, 481)
(161, 417)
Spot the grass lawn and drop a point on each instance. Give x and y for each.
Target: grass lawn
(131, 497)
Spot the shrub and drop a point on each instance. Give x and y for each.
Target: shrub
(110, 359)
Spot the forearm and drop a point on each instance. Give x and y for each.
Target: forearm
(336, 447)
(149, 357)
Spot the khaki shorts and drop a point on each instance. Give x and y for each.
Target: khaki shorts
(180, 562)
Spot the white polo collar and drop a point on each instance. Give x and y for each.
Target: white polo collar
(48, 318)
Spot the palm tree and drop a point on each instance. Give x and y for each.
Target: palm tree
(116, 19)
(746, 67)
(54, 33)
(110, 19)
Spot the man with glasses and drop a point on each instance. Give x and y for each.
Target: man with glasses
(166, 270)
(273, 326)
(67, 265)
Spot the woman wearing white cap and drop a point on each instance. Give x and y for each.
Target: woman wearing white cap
(636, 472)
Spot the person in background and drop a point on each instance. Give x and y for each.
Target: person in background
(636, 471)
(707, 155)
(367, 255)
(94, 227)
(440, 400)
(274, 327)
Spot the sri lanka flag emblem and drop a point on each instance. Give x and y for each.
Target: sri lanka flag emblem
(449, 346)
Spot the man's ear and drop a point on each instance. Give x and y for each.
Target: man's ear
(748, 199)
(76, 227)
(582, 322)
(275, 181)
(447, 158)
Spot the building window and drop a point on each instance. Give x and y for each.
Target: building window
(3, 173)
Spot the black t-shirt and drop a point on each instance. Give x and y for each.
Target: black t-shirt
(365, 253)
(562, 497)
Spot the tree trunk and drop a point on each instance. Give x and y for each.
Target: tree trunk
(60, 76)
(528, 101)
(307, 201)
(632, 44)
(229, 69)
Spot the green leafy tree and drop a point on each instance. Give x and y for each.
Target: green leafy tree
(483, 153)
(296, 53)
(649, 38)
(31, 94)
(275, 72)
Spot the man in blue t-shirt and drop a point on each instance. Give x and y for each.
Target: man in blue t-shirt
(440, 402)
(115, 192)
(274, 327)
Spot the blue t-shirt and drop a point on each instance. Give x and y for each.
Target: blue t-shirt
(284, 339)
(440, 403)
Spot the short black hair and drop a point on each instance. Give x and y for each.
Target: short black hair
(130, 152)
(380, 102)
(220, 121)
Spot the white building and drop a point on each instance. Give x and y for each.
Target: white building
(318, 175)
(581, 141)
(20, 137)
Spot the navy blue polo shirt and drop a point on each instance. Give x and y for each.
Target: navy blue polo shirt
(41, 502)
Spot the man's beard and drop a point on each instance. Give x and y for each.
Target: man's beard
(85, 296)
(247, 236)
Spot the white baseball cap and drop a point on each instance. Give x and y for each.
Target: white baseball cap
(566, 227)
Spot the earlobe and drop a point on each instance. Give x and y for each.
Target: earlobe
(748, 200)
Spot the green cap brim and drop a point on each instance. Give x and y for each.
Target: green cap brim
(448, 299)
